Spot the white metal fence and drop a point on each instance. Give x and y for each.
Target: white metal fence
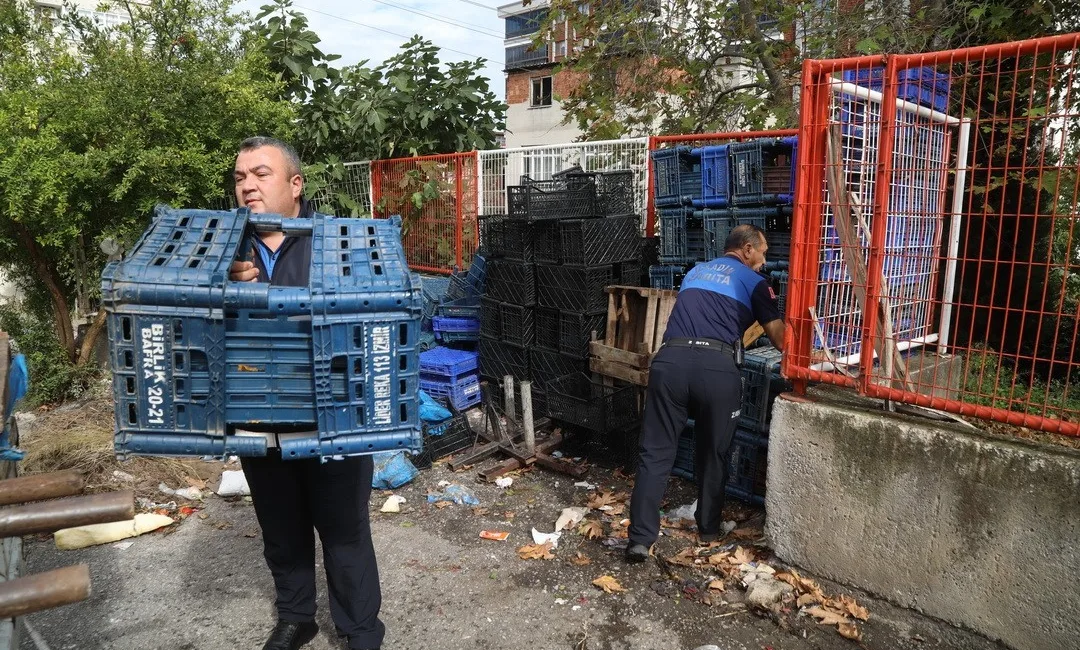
(355, 183)
(917, 217)
(499, 168)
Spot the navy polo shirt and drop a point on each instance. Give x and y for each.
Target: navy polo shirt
(719, 300)
(290, 264)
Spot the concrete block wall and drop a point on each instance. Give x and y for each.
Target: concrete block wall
(978, 530)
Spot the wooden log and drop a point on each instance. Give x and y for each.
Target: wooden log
(51, 516)
(38, 487)
(44, 591)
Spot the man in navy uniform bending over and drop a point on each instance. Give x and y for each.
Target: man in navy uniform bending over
(695, 375)
(293, 497)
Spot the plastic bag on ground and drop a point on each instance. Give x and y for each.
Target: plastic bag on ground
(392, 470)
(432, 411)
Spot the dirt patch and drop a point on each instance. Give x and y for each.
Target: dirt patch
(79, 436)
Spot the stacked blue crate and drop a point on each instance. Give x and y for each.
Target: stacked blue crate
(676, 176)
(746, 466)
(451, 376)
(196, 357)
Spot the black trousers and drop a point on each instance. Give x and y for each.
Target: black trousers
(294, 498)
(686, 382)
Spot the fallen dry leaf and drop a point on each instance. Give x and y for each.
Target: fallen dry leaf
(591, 529)
(608, 584)
(827, 617)
(854, 609)
(536, 552)
(849, 631)
(580, 559)
(442, 504)
(685, 557)
(718, 558)
(480, 512)
(620, 474)
(599, 500)
(807, 599)
(747, 533)
(508, 515)
(616, 510)
(679, 524)
(251, 534)
(195, 482)
(742, 556)
(717, 585)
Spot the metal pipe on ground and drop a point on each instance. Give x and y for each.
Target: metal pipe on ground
(44, 591)
(51, 516)
(39, 487)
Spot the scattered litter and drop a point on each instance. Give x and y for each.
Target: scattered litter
(147, 504)
(606, 508)
(586, 485)
(233, 483)
(123, 476)
(454, 493)
(494, 535)
(444, 483)
(575, 608)
(83, 536)
(576, 459)
(561, 601)
(190, 493)
(392, 504)
(536, 552)
(544, 538)
(392, 470)
(556, 454)
(569, 517)
(234, 459)
(613, 542)
(123, 546)
(504, 481)
(684, 512)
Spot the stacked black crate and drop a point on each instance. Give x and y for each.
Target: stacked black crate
(550, 259)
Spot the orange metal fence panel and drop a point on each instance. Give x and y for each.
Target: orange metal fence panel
(436, 197)
(935, 235)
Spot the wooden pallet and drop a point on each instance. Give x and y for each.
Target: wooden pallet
(636, 321)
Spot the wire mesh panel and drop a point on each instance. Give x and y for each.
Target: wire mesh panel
(936, 207)
(355, 183)
(500, 168)
(436, 197)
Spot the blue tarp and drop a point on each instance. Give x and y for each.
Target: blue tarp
(18, 384)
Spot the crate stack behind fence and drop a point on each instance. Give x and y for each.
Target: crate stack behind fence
(562, 242)
(701, 194)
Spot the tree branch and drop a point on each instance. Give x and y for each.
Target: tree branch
(48, 276)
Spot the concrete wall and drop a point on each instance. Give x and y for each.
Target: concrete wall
(529, 127)
(978, 530)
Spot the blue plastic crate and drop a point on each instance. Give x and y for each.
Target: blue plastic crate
(761, 384)
(715, 177)
(666, 276)
(718, 224)
(460, 308)
(682, 237)
(459, 392)
(677, 176)
(763, 171)
(434, 291)
(447, 362)
(195, 357)
(747, 465)
(444, 324)
(923, 85)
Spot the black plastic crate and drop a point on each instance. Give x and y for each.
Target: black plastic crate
(615, 192)
(498, 359)
(518, 240)
(490, 318)
(512, 282)
(458, 437)
(630, 273)
(546, 242)
(493, 235)
(574, 288)
(517, 324)
(546, 327)
(780, 288)
(650, 250)
(748, 467)
(599, 241)
(578, 400)
(667, 276)
(560, 198)
(575, 332)
(761, 384)
(549, 366)
(498, 398)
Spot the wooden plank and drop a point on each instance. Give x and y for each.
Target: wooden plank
(626, 357)
(635, 376)
(667, 303)
(612, 311)
(753, 333)
(650, 323)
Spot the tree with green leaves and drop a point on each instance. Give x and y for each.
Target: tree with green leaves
(694, 66)
(102, 123)
(412, 104)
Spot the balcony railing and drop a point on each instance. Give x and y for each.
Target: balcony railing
(523, 56)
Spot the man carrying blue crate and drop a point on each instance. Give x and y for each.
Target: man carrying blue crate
(695, 374)
(292, 498)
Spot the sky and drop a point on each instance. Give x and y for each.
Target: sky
(348, 28)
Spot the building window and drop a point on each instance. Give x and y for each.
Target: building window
(541, 92)
(560, 48)
(526, 23)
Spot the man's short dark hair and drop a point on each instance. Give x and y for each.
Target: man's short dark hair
(742, 235)
(292, 159)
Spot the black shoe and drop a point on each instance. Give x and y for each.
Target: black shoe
(707, 538)
(637, 553)
(289, 635)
